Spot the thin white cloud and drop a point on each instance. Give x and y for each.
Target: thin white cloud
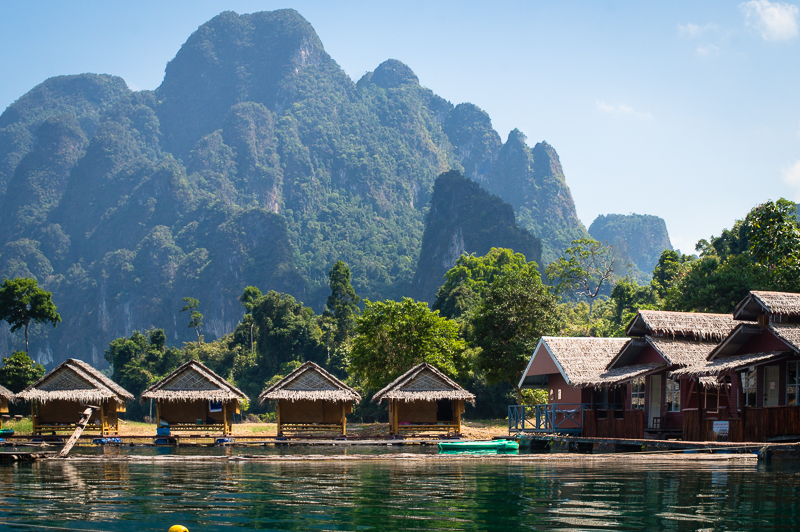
(622, 110)
(691, 30)
(707, 49)
(791, 176)
(776, 21)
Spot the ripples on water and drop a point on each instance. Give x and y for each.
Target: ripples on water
(398, 495)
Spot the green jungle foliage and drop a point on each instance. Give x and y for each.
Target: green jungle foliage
(257, 162)
(19, 372)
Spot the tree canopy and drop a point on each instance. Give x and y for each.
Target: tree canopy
(23, 302)
(19, 372)
(393, 336)
(515, 313)
(583, 269)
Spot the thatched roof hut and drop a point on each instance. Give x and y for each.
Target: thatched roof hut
(717, 367)
(697, 325)
(580, 361)
(195, 398)
(760, 302)
(75, 380)
(6, 394)
(57, 398)
(424, 399)
(423, 382)
(193, 380)
(311, 383)
(310, 399)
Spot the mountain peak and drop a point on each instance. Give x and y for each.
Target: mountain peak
(392, 74)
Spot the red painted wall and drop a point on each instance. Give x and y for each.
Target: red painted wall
(569, 394)
(542, 363)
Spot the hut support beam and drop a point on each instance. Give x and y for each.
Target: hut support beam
(459, 407)
(278, 418)
(344, 418)
(226, 429)
(34, 419)
(158, 413)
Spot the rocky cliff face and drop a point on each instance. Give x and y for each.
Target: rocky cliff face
(256, 162)
(465, 218)
(637, 241)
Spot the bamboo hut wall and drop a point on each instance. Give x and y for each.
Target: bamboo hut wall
(416, 411)
(3, 405)
(188, 411)
(306, 411)
(61, 411)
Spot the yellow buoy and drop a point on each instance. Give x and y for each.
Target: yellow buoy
(178, 528)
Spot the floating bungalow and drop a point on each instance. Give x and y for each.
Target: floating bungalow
(58, 399)
(668, 341)
(757, 371)
(6, 396)
(310, 399)
(423, 399)
(194, 398)
(573, 372)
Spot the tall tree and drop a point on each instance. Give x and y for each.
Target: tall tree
(343, 302)
(467, 281)
(195, 318)
(19, 372)
(515, 313)
(583, 269)
(23, 302)
(392, 336)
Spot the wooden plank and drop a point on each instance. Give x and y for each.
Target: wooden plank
(85, 416)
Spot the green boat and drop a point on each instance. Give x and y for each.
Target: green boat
(494, 445)
(6, 432)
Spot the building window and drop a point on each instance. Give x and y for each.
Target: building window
(559, 394)
(637, 393)
(749, 387)
(673, 396)
(792, 383)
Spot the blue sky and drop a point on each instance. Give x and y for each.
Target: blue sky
(685, 110)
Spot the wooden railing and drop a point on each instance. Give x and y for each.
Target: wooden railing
(565, 418)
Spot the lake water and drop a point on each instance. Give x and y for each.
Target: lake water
(399, 495)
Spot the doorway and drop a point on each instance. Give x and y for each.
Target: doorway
(655, 401)
(771, 385)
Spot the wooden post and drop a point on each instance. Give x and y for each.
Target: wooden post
(278, 417)
(344, 418)
(457, 410)
(78, 430)
(103, 422)
(395, 416)
(225, 431)
(158, 413)
(34, 419)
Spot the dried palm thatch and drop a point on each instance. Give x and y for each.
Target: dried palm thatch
(582, 360)
(6, 394)
(75, 380)
(697, 325)
(682, 352)
(423, 383)
(193, 381)
(761, 302)
(625, 373)
(310, 382)
(717, 367)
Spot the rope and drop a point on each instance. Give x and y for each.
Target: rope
(45, 527)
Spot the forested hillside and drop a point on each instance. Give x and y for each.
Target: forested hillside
(257, 162)
(637, 241)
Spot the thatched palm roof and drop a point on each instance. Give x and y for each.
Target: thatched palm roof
(717, 367)
(625, 373)
(310, 382)
(760, 302)
(74, 380)
(697, 325)
(423, 383)
(193, 381)
(581, 361)
(6, 394)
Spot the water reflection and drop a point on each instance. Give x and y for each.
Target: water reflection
(413, 494)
